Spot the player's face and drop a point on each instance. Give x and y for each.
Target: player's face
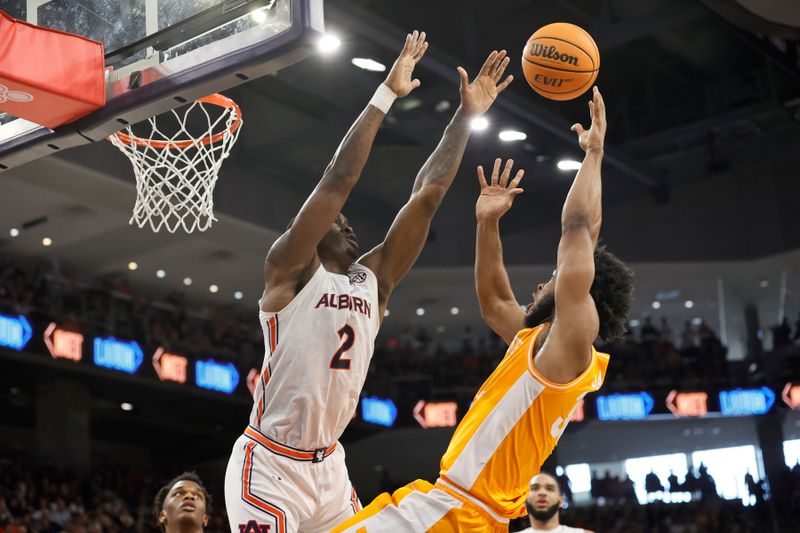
(543, 304)
(185, 504)
(340, 239)
(545, 499)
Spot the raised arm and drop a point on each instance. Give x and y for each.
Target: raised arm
(499, 308)
(576, 323)
(393, 258)
(293, 251)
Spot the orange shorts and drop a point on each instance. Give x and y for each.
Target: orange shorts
(421, 507)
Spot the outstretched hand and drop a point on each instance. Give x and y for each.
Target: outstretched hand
(399, 79)
(477, 97)
(593, 139)
(496, 197)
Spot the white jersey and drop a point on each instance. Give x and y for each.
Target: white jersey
(318, 350)
(559, 529)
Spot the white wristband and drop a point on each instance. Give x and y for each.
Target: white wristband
(383, 98)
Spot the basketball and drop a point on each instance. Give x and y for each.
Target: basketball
(560, 61)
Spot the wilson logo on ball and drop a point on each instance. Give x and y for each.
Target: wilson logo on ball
(551, 52)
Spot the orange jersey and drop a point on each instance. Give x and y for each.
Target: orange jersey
(513, 425)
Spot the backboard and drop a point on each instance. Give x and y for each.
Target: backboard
(160, 54)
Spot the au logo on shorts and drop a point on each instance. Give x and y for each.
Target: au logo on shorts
(254, 527)
(7, 94)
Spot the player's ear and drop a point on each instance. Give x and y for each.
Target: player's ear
(561, 502)
(162, 518)
(205, 521)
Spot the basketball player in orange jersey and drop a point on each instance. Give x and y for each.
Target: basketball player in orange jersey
(520, 412)
(321, 311)
(544, 507)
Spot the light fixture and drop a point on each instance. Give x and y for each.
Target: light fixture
(386, 312)
(420, 311)
(764, 283)
(479, 123)
(656, 305)
(259, 16)
(160, 273)
(454, 310)
(187, 281)
(368, 64)
(133, 265)
(328, 43)
(635, 323)
(512, 135)
(13, 232)
(125, 406)
(442, 106)
(688, 304)
(213, 289)
(568, 164)
(439, 329)
(696, 321)
(238, 295)
(47, 241)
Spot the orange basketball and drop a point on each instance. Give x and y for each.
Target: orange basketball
(560, 61)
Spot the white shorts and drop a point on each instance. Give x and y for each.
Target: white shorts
(289, 490)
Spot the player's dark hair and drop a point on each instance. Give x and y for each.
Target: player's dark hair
(161, 495)
(552, 475)
(612, 292)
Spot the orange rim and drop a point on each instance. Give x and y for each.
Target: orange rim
(215, 99)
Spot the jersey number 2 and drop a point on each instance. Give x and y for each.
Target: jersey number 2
(348, 337)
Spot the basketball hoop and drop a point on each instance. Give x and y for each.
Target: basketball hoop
(176, 172)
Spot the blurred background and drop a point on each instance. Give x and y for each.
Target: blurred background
(127, 356)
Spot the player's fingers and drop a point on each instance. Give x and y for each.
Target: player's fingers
(517, 179)
(600, 104)
(496, 170)
(501, 68)
(415, 83)
(516, 191)
(591, 110)
(407, 44)
(421, 51)
(463, 78)
(420, 42)
(482, 177)
(502, 86)
(487, 65)
(577, 128)
(506, 173)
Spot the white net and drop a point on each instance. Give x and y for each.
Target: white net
(176, 171)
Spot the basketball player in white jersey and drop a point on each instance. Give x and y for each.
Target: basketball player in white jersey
(320, 314)
(544, 505)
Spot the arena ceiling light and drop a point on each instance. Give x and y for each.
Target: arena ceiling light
(133, 265)
(187, 281)
(238, 295)
(688, 304)
(420, 311)
(386, 312)
(368, 64)
(479, 124)
(213, 289)
(13, 232)
(160, 273)
(47, 241)
(568, 164)
(125, 406)
(512, 135)
(656, 305)
(328, 43)
(454, 310)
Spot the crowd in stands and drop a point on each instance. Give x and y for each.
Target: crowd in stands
(650, 355)
(38, 497)
(615, 509)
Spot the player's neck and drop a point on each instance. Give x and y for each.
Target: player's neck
(546, 525)
(188, 528)
(336, 265)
